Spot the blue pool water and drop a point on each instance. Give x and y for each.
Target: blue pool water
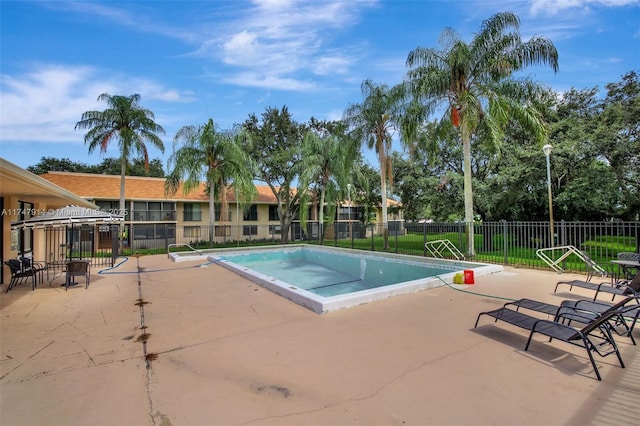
(330, 274)
(326, 279)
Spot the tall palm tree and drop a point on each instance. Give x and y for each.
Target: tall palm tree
(129, 123)
(374, 122)
(202, 152)
(474, 82)
(327, 161)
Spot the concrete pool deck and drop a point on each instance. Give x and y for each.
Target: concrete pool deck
(232, 353)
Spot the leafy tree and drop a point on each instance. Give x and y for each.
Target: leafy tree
(617, 137)
(373, 122)
(366, 191)
(52, 164)
(596, 157)
(108, 166)
(429, 185)
(202, 153)
(474, 82)
(127, 122)
(136, 167)
(328, 156)
(276, 140)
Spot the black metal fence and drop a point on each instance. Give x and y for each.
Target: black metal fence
(99, 243)
(503, 242)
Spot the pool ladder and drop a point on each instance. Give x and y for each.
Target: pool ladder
(566, 252)
(439, 248)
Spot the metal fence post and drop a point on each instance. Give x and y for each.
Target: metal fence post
(373, 243)
(424, 239)
(396, 232)
(505, 241)
(115, 246)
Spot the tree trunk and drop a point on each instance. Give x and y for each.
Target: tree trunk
(321, 218)
(468, 195)
(286, 228)
(383, 189)
(212, 211)
(123, 173)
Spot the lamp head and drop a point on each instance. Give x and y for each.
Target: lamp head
(547, 149)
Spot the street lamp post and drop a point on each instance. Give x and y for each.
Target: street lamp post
(547, 152)
(349, 198)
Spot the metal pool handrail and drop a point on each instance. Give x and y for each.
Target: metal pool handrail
(555, 264)
(436, 248)
(182, 245)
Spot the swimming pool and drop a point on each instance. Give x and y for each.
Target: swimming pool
(326, 279)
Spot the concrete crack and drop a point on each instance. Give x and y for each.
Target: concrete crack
(30, 356)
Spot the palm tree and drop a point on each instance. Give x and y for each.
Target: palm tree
(373, 122)
(129, 123)
(327, 161)
(215, 156)
(474, 83)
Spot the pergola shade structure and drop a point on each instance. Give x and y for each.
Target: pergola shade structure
(69, 216)
(76, 232)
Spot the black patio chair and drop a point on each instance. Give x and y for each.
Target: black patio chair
(77, 268)
(617, 288)
(627, 271)
(18, 274)
(30, 265)
(557, 330)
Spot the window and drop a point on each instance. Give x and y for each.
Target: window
(153, 211)
(143, 232)
(250, 230)
(113, 207)
(219, 217)
(223, 231)
(169, 211)
(346, 213)
(108, 206)
(140, 210)
(159, 231)
(25, 237)
(192, 212)
(273, 213)
(192, 232)
(252, 213)
(274, 230)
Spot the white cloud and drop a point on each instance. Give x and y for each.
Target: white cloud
(279, 40)
(140, 19)
(47, 101)
(285, 42)
(327, 65)
(251, 79)
(552, 7)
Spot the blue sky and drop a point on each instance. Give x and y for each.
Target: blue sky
(195, 60)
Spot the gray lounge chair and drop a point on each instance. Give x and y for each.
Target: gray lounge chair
(557, 330)
(588, 310)
(619, 288)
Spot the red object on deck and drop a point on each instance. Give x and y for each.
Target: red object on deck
(468, 276)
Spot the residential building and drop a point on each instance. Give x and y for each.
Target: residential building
(152, 216)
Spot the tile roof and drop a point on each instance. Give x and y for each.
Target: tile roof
(107, 187)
